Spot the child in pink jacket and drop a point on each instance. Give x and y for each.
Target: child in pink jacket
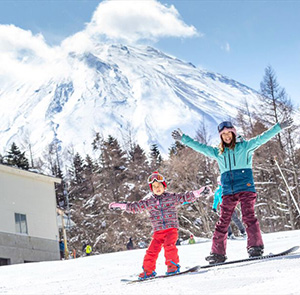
(161, 206)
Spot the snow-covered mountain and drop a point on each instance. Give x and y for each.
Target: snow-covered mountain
(114, 90)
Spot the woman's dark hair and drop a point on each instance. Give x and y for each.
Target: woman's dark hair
(231, 146)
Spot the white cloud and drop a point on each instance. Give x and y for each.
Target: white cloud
(226, 47)
(137, 20)
(27, 56)
(12, 36)
(79, 42)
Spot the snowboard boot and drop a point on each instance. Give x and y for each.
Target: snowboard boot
(214, 258)
(256, 251)
(146, 274)
(172, 269)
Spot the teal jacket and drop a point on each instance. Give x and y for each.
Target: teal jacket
(235, 165)
(217, 197)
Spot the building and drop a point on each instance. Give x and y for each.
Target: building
(28, 218)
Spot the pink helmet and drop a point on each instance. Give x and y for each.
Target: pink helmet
(156, 176)
(225, 127)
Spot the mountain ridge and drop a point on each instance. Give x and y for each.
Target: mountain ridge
(113, 89)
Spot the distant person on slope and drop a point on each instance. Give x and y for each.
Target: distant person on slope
(62, 249)
(129, 245)
(87, 249)
(192, 240)
(234, 217)
(161, 206)
(234, 157)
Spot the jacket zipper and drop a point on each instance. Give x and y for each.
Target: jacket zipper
(231, 182)
(233, 158)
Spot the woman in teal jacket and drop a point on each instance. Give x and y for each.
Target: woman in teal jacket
(234, 157)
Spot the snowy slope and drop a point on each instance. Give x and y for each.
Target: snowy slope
(102, 274)
(66, 97)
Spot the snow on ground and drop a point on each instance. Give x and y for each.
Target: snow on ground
(102, 274)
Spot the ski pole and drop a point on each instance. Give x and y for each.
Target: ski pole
(287, 185)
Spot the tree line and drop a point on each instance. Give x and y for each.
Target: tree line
(119, 174)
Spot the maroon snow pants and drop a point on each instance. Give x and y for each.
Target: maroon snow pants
(229, 202)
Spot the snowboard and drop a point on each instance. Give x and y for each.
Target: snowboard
(192, 269)
(283, 253)
(198, 268)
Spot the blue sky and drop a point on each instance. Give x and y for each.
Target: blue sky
(238, 39)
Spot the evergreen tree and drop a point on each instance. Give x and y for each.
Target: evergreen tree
(77, 171)
(16, 158)
(97, 142)
(137, 173)
(113, 167)
(175, 148)
(59, 187)
(105, 228)
(156, 158)
(77, 178)
(82, 175)
(90, 168)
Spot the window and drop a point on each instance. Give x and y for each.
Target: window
(21, 223)
(4, 261)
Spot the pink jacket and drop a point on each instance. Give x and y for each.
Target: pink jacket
(162, 209)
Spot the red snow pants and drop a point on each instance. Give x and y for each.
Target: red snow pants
(229, 202)
(163, 238)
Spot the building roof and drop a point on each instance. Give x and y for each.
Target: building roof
(28, 173)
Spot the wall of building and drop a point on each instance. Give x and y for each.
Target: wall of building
(23, 248)
(33, 195)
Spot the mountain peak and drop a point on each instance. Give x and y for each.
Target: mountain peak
(111, 90)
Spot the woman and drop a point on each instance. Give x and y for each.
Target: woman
(234, 157)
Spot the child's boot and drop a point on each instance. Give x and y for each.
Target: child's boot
(173, 268)
(147, 274)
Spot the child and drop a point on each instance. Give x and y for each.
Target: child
(161, 206)
(192, 240)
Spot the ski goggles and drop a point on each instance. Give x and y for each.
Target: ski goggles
(225, 124)
(155, 177)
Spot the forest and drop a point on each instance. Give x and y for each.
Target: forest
(119, 174)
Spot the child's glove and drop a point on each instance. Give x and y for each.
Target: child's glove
(177, 134)
(203, 192)
(114, 205)
(215, 210)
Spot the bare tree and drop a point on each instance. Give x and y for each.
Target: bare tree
(275, 104)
